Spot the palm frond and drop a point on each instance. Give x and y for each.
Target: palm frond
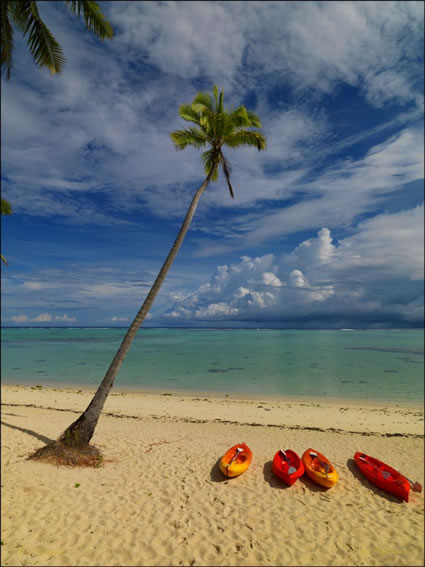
(6, 41)
(246, 138)
(202, 102)
(188, 114)
(239, 118)
(211, 159)
(215, 93)
(227, 171)
(44, 48)
(6, 207)
(253, 118)
(188, 137)
(220, 103)
(19, 12)
(93, 17)
(207, 121)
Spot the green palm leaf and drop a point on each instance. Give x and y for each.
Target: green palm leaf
(255, 121)
(44, 48)
(94, 19)
(246, 138)
(239, 118)
(227, 170)
(211, 161)
(202, 102)
(188, 137)
(188, 114)
(6, 40)
(215, 93)
(6, 207)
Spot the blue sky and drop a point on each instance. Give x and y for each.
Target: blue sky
(327, 227)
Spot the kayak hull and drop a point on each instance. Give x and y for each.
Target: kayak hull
(283, 467)
(316, 472)
(383, 476)
(233, 463)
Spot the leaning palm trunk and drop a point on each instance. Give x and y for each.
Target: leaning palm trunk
(214, 127)
(79, 433)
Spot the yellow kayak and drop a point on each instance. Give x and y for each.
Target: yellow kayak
(236, 460)
(319, 468)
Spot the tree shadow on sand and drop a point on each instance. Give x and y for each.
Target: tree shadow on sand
(351, 464)
(38, 436)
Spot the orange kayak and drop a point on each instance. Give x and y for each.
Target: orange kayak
(236, 460)
(319, 468)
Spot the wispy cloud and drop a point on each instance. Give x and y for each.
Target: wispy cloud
(88, 164)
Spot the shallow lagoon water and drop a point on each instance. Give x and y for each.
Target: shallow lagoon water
(343, 364)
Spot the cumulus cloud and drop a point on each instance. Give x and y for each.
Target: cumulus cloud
(358, 278)
(19, 318)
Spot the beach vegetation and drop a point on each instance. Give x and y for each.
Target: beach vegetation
(213, 128)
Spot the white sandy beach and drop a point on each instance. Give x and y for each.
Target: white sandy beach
(160, 499)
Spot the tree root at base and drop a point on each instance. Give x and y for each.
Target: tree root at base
(58, 453)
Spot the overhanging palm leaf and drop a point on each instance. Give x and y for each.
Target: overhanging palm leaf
(6, 40)
(6, 207)
(44, 48)
(94, 19)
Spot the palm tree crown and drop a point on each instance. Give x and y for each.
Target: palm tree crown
(217, 127)
(44, 48)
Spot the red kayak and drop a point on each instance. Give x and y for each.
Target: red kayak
(288, 466)
(383, 476)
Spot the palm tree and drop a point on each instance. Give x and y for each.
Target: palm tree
(44, 48)
(215, 128)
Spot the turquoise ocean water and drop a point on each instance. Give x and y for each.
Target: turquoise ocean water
(345, 364)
